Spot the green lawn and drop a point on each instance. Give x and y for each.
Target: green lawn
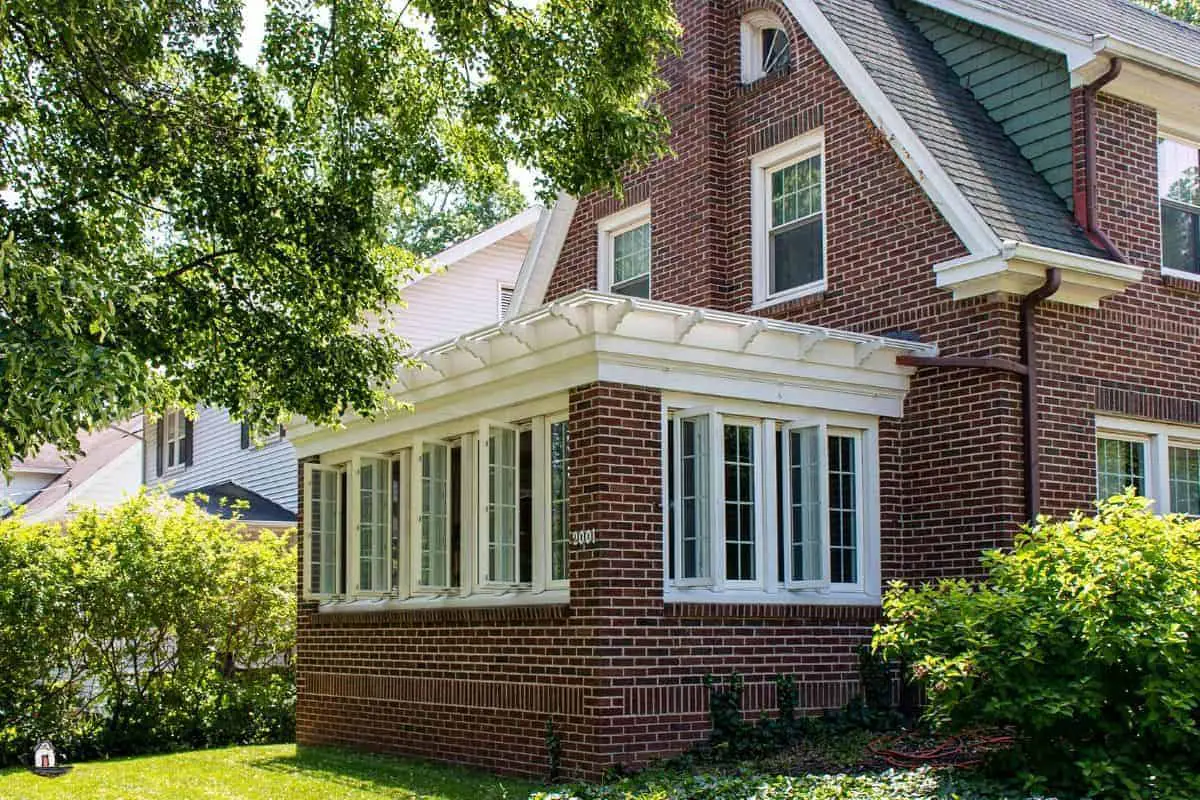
(272, 772)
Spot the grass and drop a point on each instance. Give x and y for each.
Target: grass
(268, 772)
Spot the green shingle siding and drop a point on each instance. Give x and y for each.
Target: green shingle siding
(1024, 88)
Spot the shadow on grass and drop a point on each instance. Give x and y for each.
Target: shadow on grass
(410, 777)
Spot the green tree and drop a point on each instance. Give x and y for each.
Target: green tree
(177, 227)
(428, 225)
(1186, 10)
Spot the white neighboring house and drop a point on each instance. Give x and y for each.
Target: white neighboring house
(50, 484)
(214, 456)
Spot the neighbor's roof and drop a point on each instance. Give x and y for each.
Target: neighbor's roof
(226, 499)
(984, 163)
(1126, 21)
(98, 450)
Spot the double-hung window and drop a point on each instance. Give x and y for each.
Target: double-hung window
(174, 428)
(764, 504)
(624, 252)
(1179, 204)
(788, 220)
(1159, 461)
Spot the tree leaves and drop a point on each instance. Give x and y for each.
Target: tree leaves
(180, 228)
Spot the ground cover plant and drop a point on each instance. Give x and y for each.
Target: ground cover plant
(149, 627)
(1084, 641)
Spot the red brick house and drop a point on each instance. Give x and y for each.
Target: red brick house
(916, 271)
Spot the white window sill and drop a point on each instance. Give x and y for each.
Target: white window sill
(1168, 272)
(806, 290)
(805, 597)
(509, 599)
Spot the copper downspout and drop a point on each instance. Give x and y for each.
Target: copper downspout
(1027, 369)
(1086, 216)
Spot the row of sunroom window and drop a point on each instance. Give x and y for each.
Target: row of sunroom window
(752, 504)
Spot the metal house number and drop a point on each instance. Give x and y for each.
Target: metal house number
(581, 538)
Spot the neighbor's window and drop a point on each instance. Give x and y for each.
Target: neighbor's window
(1179, 201)
(624, 252)
(175, 439)
(719, 505)
(765, 48)
(787, 185)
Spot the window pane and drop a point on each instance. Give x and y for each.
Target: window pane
(740, 500)
(435, 515)
(805, 504)
(796, 191)
(774, 49)
(638, 287)
(631, 254)
(1178, 168)
(324, 531)
(373, 572)
(797, 255)
(558, 501)
(1179, 238)
(1119, 465)
(843, 509)
(693, 500)
(502, 505)
(1185, 480)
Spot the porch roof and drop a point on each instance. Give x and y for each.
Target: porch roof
(589, 336)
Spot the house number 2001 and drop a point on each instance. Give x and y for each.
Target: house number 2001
(580, 538)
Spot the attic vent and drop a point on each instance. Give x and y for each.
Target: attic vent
(506, 295)
(765, 47)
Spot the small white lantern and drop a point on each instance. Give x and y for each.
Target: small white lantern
(43, 756)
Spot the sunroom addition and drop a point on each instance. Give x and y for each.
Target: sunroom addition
(465, 500)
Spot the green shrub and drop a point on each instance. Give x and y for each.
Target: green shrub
(1085, 640)
(149, 627)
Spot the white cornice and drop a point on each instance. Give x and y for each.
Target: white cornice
(589, 336)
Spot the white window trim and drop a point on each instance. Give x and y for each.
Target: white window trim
(353, 505)
(1159, 438)
(762, 165)
(715, 476)
(753, 24)
(823, 462)
(181, 429)
(609, 228)
(1164, 270)
(545, 480)
(310, 470)
(866, 592)
(721, 579)
(483, 530)
(415, 512)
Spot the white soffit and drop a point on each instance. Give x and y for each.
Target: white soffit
(589, 336)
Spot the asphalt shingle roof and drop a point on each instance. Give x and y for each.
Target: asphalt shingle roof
(1126, 21)
(225, 499)
(982, 161)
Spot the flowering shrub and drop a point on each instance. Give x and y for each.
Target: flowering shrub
(147, 627)
(1084, 640)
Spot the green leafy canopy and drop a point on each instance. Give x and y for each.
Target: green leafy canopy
(177, 227)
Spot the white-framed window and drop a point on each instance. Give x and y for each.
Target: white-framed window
(623, 250)
(175, 427)
(774, 506)
(1160, 461)
(765, 49)
(787, 194)
(1179, 206)
(482, 511)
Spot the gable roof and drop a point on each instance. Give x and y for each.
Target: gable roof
(252, 508)
(99, 451)
(985, 165)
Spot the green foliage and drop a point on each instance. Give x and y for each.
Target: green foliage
(1085, 640)
(729, 727)
(553, 751)
(428, 226)
(178, 227)
(919, 784)
(1185, 10)
(150, 626)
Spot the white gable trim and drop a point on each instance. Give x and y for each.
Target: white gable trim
(497, 233)
(966, 221)
(534, 278)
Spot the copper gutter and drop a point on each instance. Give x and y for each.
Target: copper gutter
(1086, 215)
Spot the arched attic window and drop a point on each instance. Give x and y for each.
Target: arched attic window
(765, 46)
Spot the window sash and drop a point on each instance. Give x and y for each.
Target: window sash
(694, 499)
(322, 539)
(499, 506)
(741, 501)
(556, 459)
(176, 432)
(845, 507)
(1184, 479)
(1120, 463)
(431, 514)
(369, 524)
(805, 465)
